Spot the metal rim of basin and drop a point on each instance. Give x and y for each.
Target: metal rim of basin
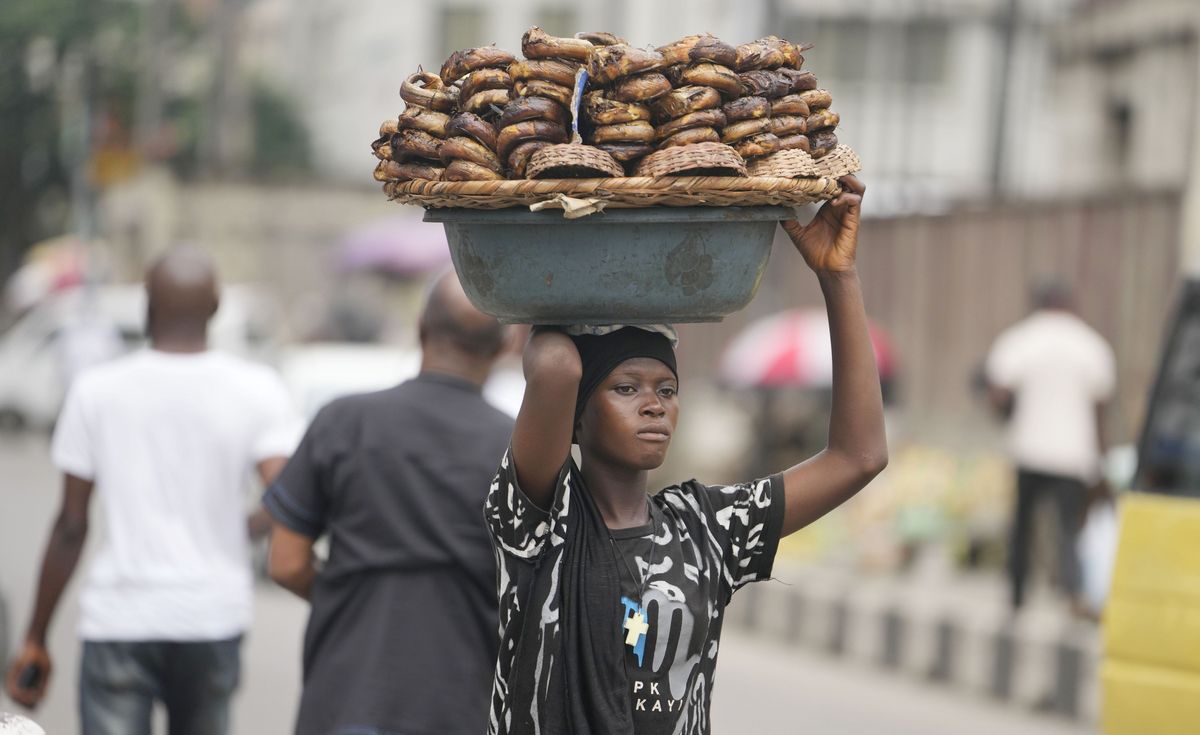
(518, 215)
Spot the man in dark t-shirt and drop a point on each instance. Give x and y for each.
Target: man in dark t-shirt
(402, 635)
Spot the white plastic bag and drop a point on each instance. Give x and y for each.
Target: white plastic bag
(1097, 549)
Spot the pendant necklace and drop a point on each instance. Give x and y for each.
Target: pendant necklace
(637, 619)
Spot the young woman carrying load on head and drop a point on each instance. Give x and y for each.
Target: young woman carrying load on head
(612, 599)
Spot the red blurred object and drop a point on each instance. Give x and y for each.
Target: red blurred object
(792, 349)
(49, 267)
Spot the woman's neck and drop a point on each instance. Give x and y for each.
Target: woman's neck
(619, 493)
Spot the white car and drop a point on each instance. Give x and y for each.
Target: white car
(317, 373)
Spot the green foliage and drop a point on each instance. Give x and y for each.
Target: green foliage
(33, 177)
(281, 142)
(29, 162)
(62, 20)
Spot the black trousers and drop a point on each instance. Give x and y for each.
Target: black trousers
(1069, 495)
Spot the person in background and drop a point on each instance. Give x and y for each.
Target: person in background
(402, 634)
(1050, 376)
(166, 437)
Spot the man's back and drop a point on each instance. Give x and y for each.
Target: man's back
(169, 439)
(1058, 370)
(403, 626)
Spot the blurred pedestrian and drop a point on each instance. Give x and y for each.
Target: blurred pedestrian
(402, 634)
(165, 437)
(1050, 376)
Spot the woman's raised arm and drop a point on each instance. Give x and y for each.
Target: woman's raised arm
(541, 439)
(857, 448)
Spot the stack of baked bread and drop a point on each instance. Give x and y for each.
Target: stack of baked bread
(488, 113)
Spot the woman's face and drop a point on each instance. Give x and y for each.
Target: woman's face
(630, 417)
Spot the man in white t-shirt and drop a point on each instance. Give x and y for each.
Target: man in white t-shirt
(1051, 375)
(167, 438)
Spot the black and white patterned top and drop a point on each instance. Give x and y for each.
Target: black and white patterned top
(702, 545)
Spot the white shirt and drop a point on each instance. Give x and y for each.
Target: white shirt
(169, 440)
(1057, 368)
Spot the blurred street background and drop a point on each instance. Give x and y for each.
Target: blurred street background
(762, 687)
(1005, 142)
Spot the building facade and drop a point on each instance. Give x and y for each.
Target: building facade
(917, 82)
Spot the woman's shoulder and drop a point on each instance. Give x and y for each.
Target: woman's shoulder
(693, 495)
(687, 487)
(694, 487)
(689, 495)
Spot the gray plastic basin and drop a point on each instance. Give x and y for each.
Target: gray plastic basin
(622, 266)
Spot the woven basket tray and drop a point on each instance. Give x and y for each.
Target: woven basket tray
(679, 191)
(572, 161)
(681, 159)
(796, 163)
(627, 192)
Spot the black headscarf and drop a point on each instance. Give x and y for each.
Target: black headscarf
(601, 354)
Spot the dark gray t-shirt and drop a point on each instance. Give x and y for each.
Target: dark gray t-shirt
(677, 575)
(402, 635)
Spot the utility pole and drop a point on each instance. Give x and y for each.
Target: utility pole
(773, 16)
(1189, 248)
(77, 110)
(155, 25)
(221, 138)
(1008, 25)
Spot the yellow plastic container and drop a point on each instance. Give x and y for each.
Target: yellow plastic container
(1151, 670)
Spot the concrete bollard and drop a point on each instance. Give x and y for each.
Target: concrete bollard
(839, 622)
(797, 608)
(894, 628)
(945, 647)
(1003, 663)
(1068, 674)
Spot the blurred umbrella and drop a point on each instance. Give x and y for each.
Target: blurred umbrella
(398, 246)
(792, 348)
(49, 266)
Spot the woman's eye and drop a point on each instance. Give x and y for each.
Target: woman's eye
(626, 390)
(667, 392)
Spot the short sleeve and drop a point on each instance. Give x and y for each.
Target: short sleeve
(1105, 382)
(299, 498)
(518, 527)
(1003, 363)
(279, 424)
(747, 520)
(72, 448)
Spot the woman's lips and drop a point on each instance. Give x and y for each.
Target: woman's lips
(655, 434)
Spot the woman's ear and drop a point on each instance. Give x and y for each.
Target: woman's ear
(577, 430)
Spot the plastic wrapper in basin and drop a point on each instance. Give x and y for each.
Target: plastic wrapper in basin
(622, 266)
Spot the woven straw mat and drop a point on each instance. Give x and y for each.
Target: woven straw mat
(693, 157)
(797, 163)
(573, 161)
(626, 192)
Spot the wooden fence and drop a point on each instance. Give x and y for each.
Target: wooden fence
(944, 286)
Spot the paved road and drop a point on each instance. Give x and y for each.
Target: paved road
(29, 495)
(761, 688)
